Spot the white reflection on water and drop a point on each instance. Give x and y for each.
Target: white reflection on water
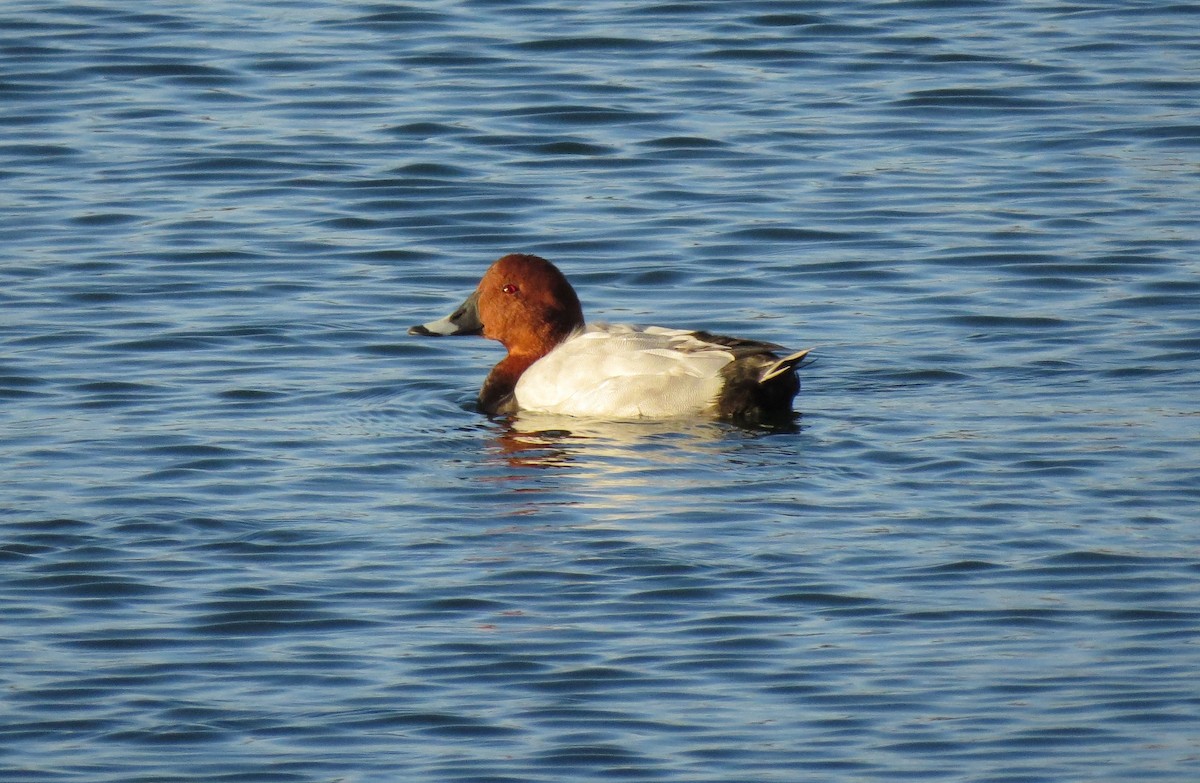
(623, 470)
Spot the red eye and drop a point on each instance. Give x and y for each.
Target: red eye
(509, 288)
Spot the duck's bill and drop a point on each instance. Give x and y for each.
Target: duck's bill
(464, 320)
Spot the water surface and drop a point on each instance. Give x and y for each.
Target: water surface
(252, 531)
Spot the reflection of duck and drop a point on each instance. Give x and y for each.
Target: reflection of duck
(534, 448)
(609, 457)
(556, 364)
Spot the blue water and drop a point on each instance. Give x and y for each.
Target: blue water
(253, 531)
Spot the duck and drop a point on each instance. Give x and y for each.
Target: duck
(558, 364)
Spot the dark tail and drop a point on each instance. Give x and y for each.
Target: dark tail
(759, 391)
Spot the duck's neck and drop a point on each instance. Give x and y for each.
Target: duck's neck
(496, 398)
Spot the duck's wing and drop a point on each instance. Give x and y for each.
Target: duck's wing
(624, 373)
(738, 345)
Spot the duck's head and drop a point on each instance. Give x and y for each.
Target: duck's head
(523, 301)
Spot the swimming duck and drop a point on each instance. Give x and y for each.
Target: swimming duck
(556, 364)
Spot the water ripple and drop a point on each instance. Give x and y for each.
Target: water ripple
(253, 531)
